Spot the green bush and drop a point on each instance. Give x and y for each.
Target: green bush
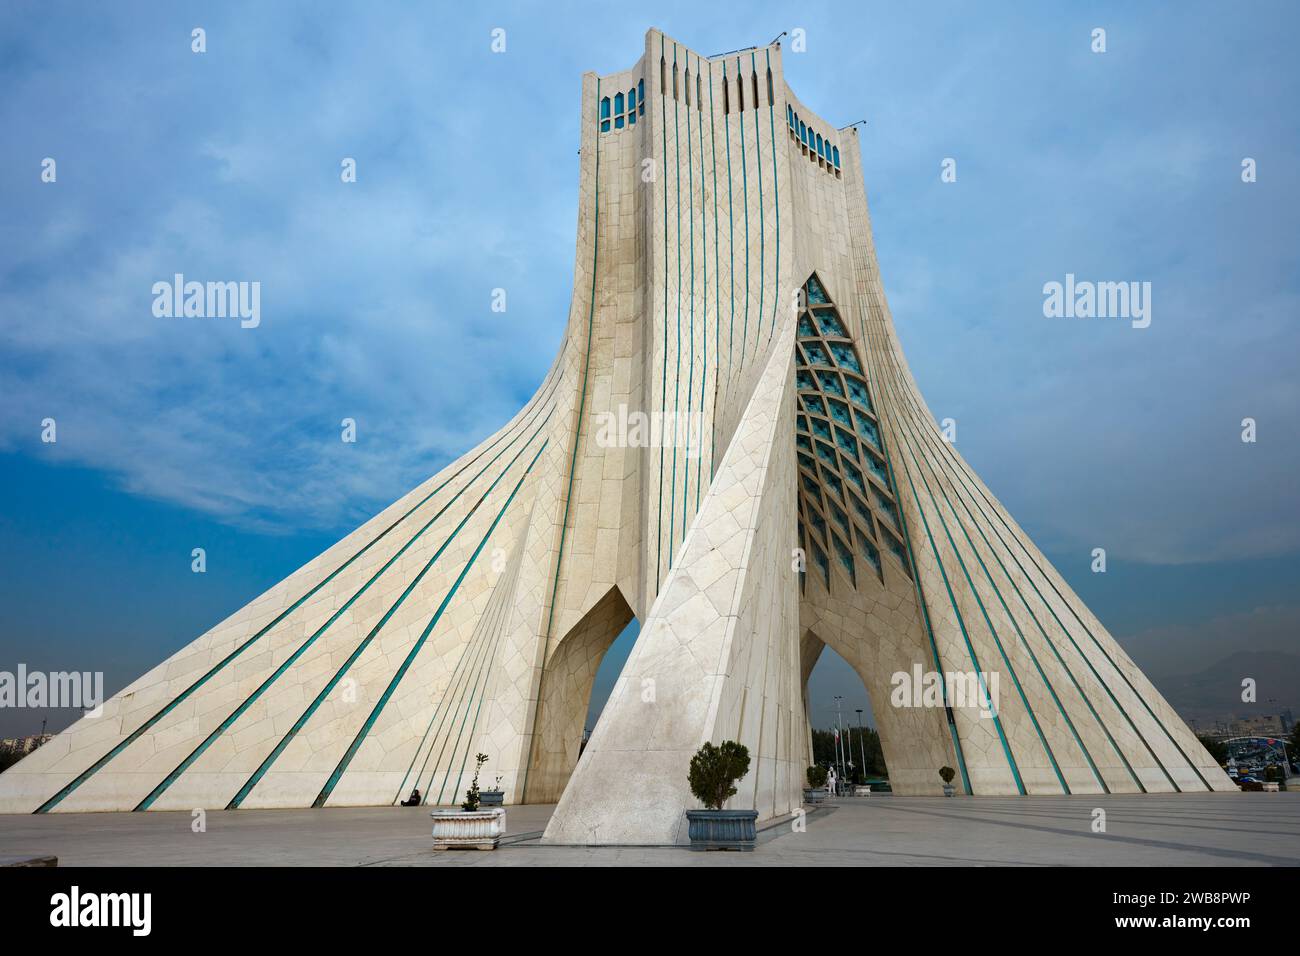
(946, 774)
(472, 794)
(715, 770)
(816, 777)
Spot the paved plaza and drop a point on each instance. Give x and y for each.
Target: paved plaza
(881, 830)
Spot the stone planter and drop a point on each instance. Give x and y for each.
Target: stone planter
(491, 798)
(468, 829)
(721, 829)
(814, 795)
(948, 790)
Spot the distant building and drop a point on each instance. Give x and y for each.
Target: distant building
(1267, 725)
(24, 745)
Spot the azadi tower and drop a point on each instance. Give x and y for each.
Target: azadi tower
(725, 275)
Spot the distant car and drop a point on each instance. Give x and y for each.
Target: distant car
(1249, 779)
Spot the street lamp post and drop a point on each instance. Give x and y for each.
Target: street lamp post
(839, 736)
(848, 754)
(862, 744)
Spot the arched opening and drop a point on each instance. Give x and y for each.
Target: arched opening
(611, 665)
(565, 696)
(838, 703)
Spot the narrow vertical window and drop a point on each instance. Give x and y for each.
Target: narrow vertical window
(726, 95)
(604, 115)
(740, 93)
(663, 78)
(754, 79)
(688, 86)
(789, 116)
(640, 97)
(699, 92)
(771, 100)
(803, 133)
(631, 106)
(676, 94)
(618, 111)
(836, 151)
(820, 154)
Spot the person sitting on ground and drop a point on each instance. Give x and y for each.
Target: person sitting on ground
(413, 800)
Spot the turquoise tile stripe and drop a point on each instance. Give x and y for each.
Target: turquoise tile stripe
(731, 223)
(306, 645)
(988, 623)
(776, 194)
(424, 636)
(677, 378)
(577, 428)
(762, 226)
(904, 403)
(1064, 630)
(704, 299)
(744, 179)
(874, 386)
(663, 382)
(233, 655)
(482, 675)
(961, 624)
(690, 365)
(1051, 646)
(1024, 643)
(1101, 781)
(324, 692)
(454, 689)
(717, 281)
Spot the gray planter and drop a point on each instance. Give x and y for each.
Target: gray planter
(467, 829)
(948, 790)
(722, 829)
(814, 794)
(491, 798)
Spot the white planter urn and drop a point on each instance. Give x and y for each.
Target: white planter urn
(455, 829)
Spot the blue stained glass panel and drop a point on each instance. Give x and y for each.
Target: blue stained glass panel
(831, 325)
(845, 355)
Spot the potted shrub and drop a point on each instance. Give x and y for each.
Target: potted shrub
(713, 775)
(815, 792)
(471, 826)
(494, 797)
(946, 774)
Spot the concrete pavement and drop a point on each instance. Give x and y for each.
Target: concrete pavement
(1248, 829)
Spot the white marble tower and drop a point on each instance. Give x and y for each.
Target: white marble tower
(725, 278)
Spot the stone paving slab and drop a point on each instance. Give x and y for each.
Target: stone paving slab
(880, 830)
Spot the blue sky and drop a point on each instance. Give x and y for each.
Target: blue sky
(375, 303)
